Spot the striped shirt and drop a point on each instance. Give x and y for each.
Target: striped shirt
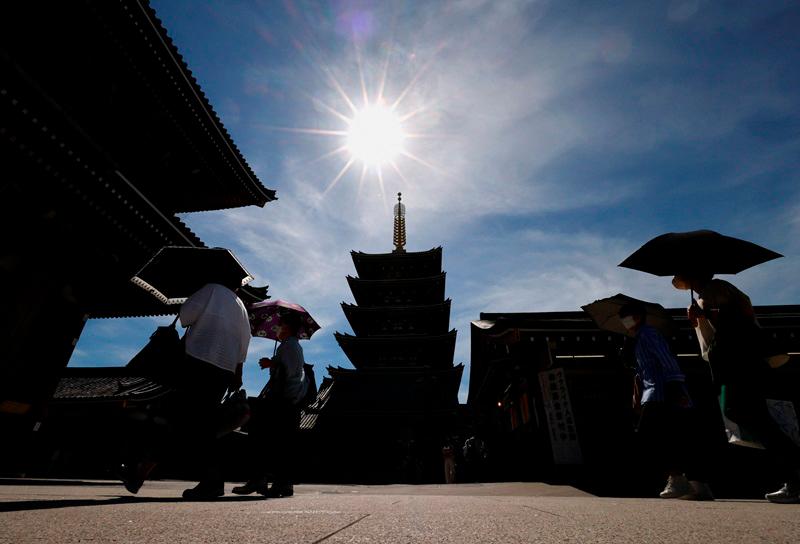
(655, 364)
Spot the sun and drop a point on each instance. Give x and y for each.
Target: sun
(375, 135)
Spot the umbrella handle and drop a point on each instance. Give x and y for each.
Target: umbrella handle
(174, 321)
(275, 349)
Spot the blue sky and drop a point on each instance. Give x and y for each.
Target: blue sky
(555, 138)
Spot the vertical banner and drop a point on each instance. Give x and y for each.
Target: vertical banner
(560, 418)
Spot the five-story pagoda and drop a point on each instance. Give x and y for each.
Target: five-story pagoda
(388, 418)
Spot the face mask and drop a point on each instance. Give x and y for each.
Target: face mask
(680, 283)
(628, 322)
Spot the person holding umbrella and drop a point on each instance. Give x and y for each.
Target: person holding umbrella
(666, 408)
(731, 342)
(727, 330)
(216, 345)
(276, 421)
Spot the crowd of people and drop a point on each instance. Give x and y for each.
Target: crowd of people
(218, 336)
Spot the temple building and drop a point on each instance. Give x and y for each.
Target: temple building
(105, 137)
(387, 419)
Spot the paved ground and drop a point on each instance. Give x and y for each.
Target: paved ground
(63, 512)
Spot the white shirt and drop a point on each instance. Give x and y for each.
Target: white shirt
(219, 329)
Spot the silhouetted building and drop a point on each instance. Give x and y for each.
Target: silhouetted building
(387, 419)
(105, 137)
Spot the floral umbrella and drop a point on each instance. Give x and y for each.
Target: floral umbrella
(265, 319)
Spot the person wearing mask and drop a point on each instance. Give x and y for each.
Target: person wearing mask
(666, 421)
(731, 342)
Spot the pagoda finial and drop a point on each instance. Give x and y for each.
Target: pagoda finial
(399, 225)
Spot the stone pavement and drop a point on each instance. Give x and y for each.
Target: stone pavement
(65, 512)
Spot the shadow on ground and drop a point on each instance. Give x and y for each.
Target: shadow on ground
(17, 506)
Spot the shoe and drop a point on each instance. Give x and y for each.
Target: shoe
(252, 486)
(788, 494)
(131, 478)
(677, 486)
(280, 490)
(699, 491)
(205, 491)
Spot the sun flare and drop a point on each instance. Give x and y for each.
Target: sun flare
(375, 135)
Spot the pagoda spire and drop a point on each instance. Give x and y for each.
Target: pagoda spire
(399, 225)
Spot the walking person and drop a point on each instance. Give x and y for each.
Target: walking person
(273, 428)
(730, 340)
(666, 422)
(216, 345)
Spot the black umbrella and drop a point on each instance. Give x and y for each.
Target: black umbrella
(697, 252)
(605, 314)
(175, 272)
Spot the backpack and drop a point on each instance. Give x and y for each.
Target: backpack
(311, 387)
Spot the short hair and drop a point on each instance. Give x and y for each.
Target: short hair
(633, 309)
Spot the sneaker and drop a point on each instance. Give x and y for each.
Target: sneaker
(280, 490)
(259, 485)
(699, 491)
(788, 494)
(677, 486)
(205, 491)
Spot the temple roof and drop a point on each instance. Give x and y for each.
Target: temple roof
(396, 265)
(310, 415)
(403, 320)
(133, 97)
(111, 157)
(399, 351)
(105, 384)
(398, 292)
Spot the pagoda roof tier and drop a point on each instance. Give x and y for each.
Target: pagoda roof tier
(398, 265)
(394, 390)
(398, 320)
(398, 292)
(345, 394)
(399, 351)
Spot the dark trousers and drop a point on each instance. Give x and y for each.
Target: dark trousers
(673, 439)
(746, 406)
(272, 439)
(198, 398)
